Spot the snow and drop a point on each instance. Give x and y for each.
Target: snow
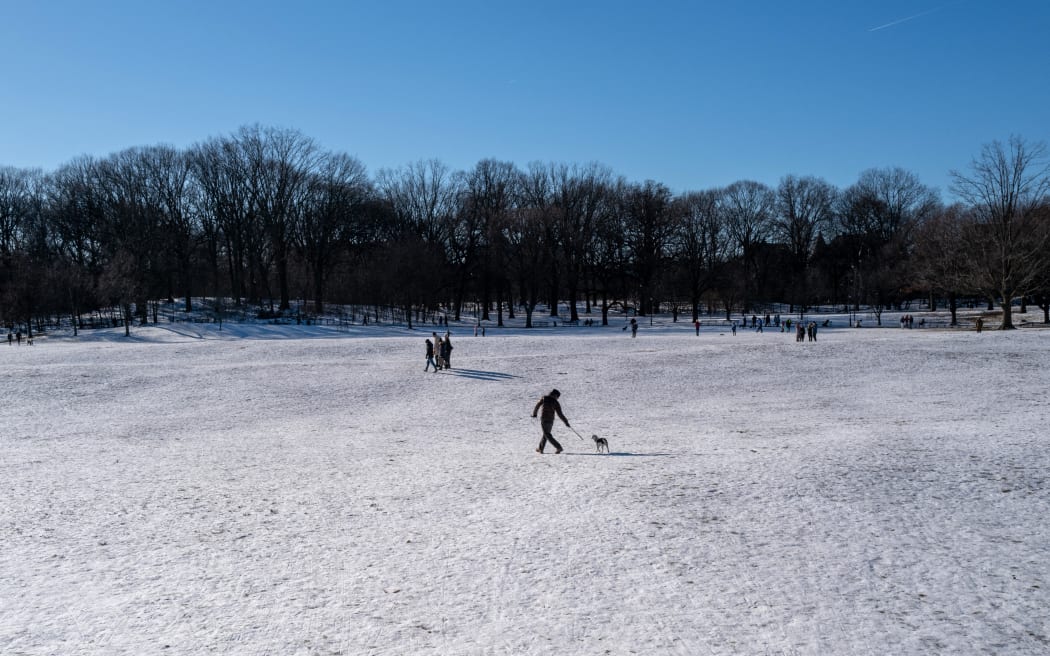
(303, 490)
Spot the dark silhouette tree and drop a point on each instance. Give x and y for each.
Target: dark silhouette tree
(329, 217)
(649, 223)
(748, 209)
(804, 210)
(700, 244)
(877, 219)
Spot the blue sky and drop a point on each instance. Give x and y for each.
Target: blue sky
(691, 94)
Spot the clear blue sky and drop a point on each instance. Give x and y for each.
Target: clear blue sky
(692, 94)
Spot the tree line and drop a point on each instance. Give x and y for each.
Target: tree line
(267, 217)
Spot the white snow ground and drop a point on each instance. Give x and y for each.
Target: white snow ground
(186, 491)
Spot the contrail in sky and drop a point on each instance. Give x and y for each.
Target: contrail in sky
(905, 20)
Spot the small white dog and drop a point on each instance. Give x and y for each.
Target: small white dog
(600, 443)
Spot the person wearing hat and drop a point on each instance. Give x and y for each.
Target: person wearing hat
(550, 407)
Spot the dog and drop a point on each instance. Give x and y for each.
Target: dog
(600, 443)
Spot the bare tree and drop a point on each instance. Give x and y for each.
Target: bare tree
(1006, 187)
(168, 177)
(328, 217)
(491, 190)
(74, 210)
(700, 243)
(132, 231)
(580, 196)
(1041, 294)
(16, 198)
(608, 253)
(939, 241)
(649, 227)
(804, 208)
(877, 219)
(285, 159)
(538, 211)
(230, 187)
(24, 252)
(425, 195)
(526, 231)
(748, 208)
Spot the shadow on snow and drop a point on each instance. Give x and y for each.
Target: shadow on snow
(480, 375)
(622, 454)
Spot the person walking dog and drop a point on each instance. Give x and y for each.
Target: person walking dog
(550, 407)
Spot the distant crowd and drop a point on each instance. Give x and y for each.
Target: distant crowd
(16, 337)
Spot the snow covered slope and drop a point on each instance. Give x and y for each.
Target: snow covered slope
(268, 490)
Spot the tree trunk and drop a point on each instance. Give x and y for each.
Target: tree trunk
(318, 290)
(1008, 319)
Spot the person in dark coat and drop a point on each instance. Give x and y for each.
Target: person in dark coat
(446, 350)
(430, 357)
(550, 408)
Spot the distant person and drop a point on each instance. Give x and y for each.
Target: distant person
(10, 338)
(696, 324)
(550, 407)
(439, 351)
(446, 350)
(634, 327)
(430, 357)
(979, 324)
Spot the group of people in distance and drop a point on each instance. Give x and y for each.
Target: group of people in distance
(12, 337)
(802, 331)
(439, 352)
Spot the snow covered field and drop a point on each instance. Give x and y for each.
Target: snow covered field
(186, 491)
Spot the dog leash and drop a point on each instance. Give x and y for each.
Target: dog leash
(577, 434)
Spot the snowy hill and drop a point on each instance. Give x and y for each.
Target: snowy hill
(271, 489)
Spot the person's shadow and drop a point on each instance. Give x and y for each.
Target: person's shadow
(621, 454)
(480, 375)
